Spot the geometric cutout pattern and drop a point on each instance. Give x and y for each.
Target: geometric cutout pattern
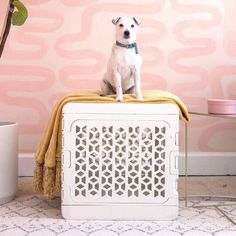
(119, 161)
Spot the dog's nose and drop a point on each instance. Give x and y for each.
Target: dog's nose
(126, 33)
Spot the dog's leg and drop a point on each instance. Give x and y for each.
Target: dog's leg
(137, 84)
(119, 92)
(106, 88)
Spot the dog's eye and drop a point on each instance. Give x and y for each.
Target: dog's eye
(121, 25)
(132, 26)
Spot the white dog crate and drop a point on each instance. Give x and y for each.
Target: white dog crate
(120, 161)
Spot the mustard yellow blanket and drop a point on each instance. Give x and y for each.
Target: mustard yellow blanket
(47, 173)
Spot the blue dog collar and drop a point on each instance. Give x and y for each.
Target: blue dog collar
(132, 45)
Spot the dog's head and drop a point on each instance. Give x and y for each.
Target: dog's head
(126, 29)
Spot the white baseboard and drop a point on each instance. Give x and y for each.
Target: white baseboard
(26, 163)
(208, 163)
(199, 163)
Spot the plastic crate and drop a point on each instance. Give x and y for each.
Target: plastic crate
(120, 161)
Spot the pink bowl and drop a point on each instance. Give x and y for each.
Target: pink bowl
(221, 106)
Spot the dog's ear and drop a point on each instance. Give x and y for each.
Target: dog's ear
(137, 21)
(116, 20)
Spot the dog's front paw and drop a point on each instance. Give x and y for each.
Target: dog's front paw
(119, 99)
(139, 97)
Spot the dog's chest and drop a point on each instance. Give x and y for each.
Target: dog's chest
(126, 59)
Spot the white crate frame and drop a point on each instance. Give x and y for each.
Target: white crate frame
(118, 206)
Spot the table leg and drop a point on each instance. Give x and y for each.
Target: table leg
(186, 164)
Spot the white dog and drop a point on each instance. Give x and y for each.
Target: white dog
(123, 68)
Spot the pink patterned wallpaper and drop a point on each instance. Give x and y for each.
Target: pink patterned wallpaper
(188, 48)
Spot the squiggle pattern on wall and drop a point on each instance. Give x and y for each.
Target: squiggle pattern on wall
(188, 48)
